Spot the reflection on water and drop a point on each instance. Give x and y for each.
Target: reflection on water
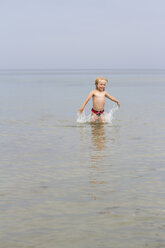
(98, 139)
(98, 136)
(98, 142)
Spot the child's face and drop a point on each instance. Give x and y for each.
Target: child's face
(101, 85)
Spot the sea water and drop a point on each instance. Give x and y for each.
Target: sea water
(66, 182)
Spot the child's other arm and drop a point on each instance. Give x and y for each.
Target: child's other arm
(112, 99)
(86, 101)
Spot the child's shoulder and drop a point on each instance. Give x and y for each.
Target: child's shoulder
(92, 92)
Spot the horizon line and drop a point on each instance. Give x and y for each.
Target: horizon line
(65, 69)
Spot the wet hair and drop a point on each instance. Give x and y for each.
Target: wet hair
(100, 78)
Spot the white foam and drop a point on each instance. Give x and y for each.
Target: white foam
(83, 118)
(109, 116)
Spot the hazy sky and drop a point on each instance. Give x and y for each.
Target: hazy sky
(54, 34)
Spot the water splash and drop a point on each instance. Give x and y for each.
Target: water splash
(109, 116)
(83, 118)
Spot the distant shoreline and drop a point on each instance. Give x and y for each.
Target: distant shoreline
(82, 71)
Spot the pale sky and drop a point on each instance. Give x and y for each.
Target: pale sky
(59, 34)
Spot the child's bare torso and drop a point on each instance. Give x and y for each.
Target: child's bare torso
(98, 100)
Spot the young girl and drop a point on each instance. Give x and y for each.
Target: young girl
(98, 95)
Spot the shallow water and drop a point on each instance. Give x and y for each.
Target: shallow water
(69, 184)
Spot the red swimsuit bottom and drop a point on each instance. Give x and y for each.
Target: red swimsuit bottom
(98, 113)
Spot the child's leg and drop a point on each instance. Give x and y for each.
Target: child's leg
(94, 117)
(102, 118)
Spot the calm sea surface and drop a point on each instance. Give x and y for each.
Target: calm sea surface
(65, 184)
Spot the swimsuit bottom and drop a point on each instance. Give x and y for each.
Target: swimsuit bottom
(98, 113)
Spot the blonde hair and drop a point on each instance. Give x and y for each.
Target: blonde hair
(100, 78)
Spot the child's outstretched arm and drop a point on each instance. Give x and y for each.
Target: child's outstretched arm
(86, 101)
(112, 99)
